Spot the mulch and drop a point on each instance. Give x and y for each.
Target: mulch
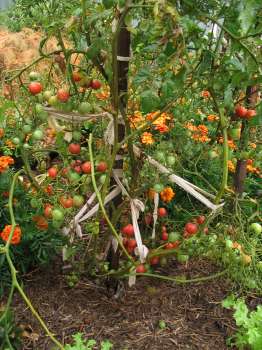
(193, 314)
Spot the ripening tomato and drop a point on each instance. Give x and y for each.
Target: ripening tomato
(125, 241)
(201, 219)
(191, 228)
(240, 111)
(66, 202)
(132, 243)
(63, 95)
(205, 230)
(35, 87)
(154, 260)
(163, 228)
(86, 167)
(95, 84)
(78, 200)
(78, 169)
(52, 172)
(164, 236)
(140, 268)
(250, 113)
(74, 148)
(48, 210)
(76, 76)
(128, 230)
(169, 246)
(162, 212)
(101, 167)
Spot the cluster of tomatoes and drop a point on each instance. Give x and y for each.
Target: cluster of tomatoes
(170, 240)
(244, 113)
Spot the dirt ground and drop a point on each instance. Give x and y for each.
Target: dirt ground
(193, 314)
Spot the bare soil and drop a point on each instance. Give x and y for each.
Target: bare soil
(193, 314)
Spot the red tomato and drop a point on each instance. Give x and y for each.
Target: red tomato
(52, 172)
(240, 111)
(176, 244)
(65, 171)
(48, 210)
(125, 241)
(74, 148)
(154, 260)
(163, 228)
(76, 76)
(78, 169)
(66, 202)
(35, 87)
(249, 161)
(131, 243)
(205, 230)
(201, 219)
(49, 189)
(250, 113)
(86, 167)
(148, 219)
(101, 167)
(164, 236)
(162, 212)
(140, 268)
(191, 228)
(95, 84)
(63, 95)
(169, 246)
(128, 230)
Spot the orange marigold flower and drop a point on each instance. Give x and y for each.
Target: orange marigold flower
(252, 145)
(162, 128)
(205, 94)
(231, 166)
(212, 117)
(203, 129)
(190, 126)
(232, 145)
(167, 194)
(136, 119)
(16, 238)
(5, 161)
(103, 95)
(147, 138)
(10, 144)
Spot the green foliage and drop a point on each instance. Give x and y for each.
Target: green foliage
(10, 334)
(82, 344)
(249, 324)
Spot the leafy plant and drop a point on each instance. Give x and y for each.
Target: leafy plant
(10, 334)
(249, 324)
(84, 344)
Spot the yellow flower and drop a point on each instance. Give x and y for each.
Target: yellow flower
(147, 138)
(167, 194)
(231, 166)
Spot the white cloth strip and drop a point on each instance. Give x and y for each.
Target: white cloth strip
(156, 203)
(123, 59)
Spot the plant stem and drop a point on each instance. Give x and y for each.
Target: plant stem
(113, 230)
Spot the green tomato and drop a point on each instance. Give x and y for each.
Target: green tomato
(102, 179)
(160, 156)
(85, 107)
(171, 160)
(256, 227)
(47, 94)
(182, 258)
(38, 134)
(26, 146)
(57, 224)
(212, 154)
(53, 101)
(57, 214)
(77, 135)
(39, 108)
(78, 200)
(34, 202)
(27, 128)
(235, 133)
(73, 176)
(259, 265)
(43, 116)
(158, 188)
(34, 76)
(40, 98)
(162, 324)
(16, 140)
(229, 243)
(173, 237)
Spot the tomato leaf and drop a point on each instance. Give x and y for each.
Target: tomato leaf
(150, 101)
